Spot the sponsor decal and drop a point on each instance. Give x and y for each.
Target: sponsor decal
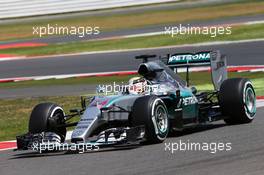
(189, 101)
(189, 58)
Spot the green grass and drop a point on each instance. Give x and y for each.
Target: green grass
(195, 80)
(238, 33)
(15, 112)
(257, 83)
(21, 30)
(203, 84)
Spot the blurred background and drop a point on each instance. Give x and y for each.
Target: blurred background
(57, 50)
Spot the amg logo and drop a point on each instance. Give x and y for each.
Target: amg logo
(189, 58)
(189, 101)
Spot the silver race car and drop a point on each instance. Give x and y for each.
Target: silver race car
(148, 108)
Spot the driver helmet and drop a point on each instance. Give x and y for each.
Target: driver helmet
(137, 85)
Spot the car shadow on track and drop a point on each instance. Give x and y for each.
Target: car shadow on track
(196, 129)
(31, 154)
(34, 154)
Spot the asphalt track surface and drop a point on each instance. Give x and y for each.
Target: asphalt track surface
(245, 157)
(250, 53)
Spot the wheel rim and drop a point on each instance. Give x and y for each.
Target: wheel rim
(250, 101)
(58, 114)
(161, 119)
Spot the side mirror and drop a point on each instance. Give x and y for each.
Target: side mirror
(194, 90)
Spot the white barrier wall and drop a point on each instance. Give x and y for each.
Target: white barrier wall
(24, 8)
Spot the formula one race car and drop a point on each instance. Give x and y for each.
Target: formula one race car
(149, 108)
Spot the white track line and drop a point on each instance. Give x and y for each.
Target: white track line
(253, 22)
(7, 148)
(154, 48)
(164, 32)
(137, 49)
(260, 103)
(249, 68)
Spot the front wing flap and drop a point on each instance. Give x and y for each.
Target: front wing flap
(48, 141)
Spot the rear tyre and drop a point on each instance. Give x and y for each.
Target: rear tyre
(151, 112)
(46, 117)
(237, 99)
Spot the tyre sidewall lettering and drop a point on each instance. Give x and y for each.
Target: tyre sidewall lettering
(248, 113)
(160, 135)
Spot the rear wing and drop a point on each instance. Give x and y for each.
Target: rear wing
(212, 59)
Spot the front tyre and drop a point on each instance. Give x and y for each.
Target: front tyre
(151, 112)
(47, 117)
(237, 99)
